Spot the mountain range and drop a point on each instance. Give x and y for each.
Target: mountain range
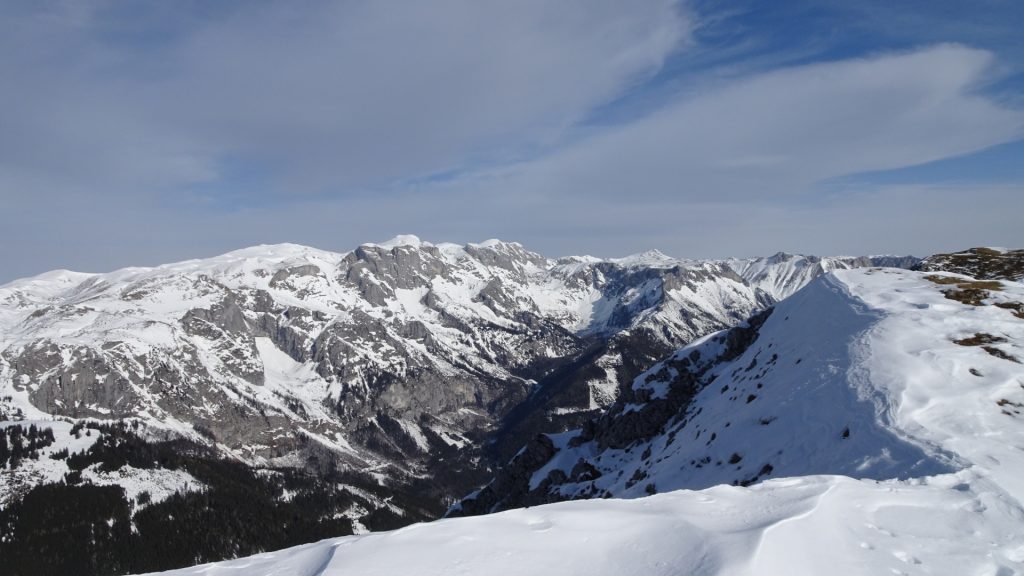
(396, 378)
(870, 423)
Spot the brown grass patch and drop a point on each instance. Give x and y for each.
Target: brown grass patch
(971, 297)
(979, 339)
(992, 350)
(981, 285)
(971, 292)
(1017, 308)
(984, 340)
(943, 279)
(965, 284)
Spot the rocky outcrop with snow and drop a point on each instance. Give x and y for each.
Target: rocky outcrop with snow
(873, 373)
(980, 263)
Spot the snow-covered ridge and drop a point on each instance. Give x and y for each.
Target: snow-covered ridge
(873, 374)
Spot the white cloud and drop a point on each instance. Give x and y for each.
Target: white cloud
(322, 95)
(781, 132)
(96, 142)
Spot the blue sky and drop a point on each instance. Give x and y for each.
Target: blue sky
(136, 133)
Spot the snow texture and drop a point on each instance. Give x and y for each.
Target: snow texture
(812, 525)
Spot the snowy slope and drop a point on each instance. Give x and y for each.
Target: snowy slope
(887, 377)
(805, 526)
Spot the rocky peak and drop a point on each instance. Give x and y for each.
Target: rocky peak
(981, 263)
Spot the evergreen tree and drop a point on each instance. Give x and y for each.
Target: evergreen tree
(5, 451)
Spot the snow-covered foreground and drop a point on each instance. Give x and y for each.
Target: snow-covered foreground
(937, 374)
(949, 524)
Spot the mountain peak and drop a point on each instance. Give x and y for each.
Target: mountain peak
(655, 258)
(780, 257)
(493, 243)
(400, 240)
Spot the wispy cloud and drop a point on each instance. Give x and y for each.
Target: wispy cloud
(139, 136)
(779, 133)
(320, 96)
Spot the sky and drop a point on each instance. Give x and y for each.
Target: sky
(139, 133)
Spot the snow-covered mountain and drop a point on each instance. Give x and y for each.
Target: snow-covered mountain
(397, 373)
(870, 424)
(377, 359)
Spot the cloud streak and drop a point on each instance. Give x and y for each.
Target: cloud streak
(780, 133)
(317, 96)
(336, 123)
